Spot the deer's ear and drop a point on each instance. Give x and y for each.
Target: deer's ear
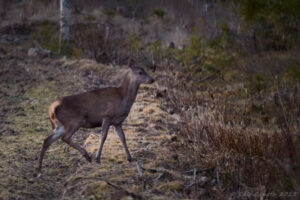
(131, 64)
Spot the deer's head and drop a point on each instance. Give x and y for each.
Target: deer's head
(139, 74)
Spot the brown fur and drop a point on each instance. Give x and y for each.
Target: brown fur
(103, 107)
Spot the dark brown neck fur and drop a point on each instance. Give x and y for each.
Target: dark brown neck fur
(129, 89)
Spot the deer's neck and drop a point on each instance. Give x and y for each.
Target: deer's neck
(129, 89)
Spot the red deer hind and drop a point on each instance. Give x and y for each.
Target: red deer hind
(103, 107)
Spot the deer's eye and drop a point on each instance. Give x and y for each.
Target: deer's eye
(140, 73)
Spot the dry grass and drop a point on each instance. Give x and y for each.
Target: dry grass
(247, 160)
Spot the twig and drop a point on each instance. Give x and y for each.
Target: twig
(159, 176)
(201, 181)
(217, 172)
(198, 170)
(139, 169)
(207, 78)
(283, 111)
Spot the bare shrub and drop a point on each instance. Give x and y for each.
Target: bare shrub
(242, 158)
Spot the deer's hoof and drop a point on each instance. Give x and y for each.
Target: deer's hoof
(98, 160)
(88, 158)
(129, 159)
(39, 168)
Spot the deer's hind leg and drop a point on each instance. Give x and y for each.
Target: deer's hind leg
(57, 133)
(67, 138)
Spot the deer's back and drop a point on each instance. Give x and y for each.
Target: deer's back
(90, 108)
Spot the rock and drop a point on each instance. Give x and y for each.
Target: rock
(16, 40)
(181, 47)
(32, 52)
(176, 117)
(6, 38)
(171, 45)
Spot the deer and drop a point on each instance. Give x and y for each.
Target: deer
(102, 107)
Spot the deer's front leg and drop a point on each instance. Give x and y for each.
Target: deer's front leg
(120, 132)
(105, 127)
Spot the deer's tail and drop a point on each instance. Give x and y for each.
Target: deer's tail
(53, 119)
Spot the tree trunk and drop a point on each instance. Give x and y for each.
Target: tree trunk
(64, 35)
(3, 9)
